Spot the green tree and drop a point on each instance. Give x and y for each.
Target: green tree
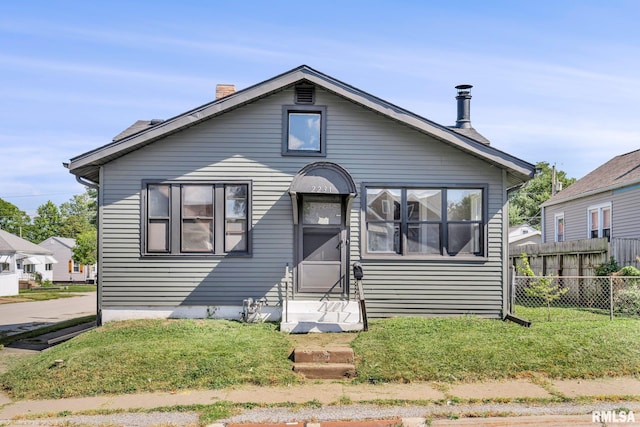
(86, 249)
(524, 204)
(47, 223)
(78, 214)
(13, 220)
(540, 286)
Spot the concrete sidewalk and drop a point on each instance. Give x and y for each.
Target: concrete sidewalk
(331, 394)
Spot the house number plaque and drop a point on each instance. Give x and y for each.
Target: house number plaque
(323, 189)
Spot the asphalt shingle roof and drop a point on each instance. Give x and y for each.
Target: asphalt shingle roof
(618, 172)
(10, 243)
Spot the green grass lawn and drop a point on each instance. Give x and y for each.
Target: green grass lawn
(539, 314)
(469, 349)
(52, 292)
(155, 355)
(167, 355)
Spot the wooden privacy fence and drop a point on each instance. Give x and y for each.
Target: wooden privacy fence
(578, 257)
(626, 251)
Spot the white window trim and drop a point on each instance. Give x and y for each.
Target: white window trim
(599, 207)
(556, 217)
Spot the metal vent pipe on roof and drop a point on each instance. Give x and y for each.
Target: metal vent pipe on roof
(464, 106)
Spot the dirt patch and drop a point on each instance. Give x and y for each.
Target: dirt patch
(340, 339)
(8, 356)
(10, 300)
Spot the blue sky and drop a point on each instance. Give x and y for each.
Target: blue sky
(554, 81)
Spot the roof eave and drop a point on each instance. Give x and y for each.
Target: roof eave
(590, 193)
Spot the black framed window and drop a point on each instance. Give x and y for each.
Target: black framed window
(196, 218)
(423, 221)
(303, 130)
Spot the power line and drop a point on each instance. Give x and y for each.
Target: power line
(34, 195)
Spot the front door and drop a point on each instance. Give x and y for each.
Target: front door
(322, 244)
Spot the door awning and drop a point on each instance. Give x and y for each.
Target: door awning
(5, 259)
(31, 260)
(50, 260)
(322, 178)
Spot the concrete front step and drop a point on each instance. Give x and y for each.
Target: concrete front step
(326, 363)
(307, 327)
(320, 316)
(323, 355)
(325, 371)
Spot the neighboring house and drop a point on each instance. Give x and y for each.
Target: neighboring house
(604, 203)
(67, 270)
(523, 235)
(205, 214)
(21, 260)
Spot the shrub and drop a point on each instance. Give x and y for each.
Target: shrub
(605, 269)
(628, 271)
(627, 301)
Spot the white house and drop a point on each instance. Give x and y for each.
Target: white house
(22, 260)
(524, 235)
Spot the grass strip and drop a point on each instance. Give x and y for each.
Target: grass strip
(55, 292)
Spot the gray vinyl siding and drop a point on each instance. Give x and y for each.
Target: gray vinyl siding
(624, 213)
(624, 216)
(245, 144)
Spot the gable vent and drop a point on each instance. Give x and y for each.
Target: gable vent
(305, 94)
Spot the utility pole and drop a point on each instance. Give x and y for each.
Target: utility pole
(554, 184)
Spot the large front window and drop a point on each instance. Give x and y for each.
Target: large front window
(425, 221)
(196, 218)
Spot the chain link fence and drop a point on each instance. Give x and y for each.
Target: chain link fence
(576, 297)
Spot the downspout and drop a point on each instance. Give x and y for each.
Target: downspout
(98, 188)
(99, 244)
(508, 295)
(507, 288)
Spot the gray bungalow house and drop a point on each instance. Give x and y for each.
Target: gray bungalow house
(602, 204)
(260, 202)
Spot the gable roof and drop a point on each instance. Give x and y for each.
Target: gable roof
(86, 166)
(65, 241)
(10, 243)
(621, 171)
(521, 232)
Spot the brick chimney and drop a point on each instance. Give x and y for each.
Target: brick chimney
(223, 90)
